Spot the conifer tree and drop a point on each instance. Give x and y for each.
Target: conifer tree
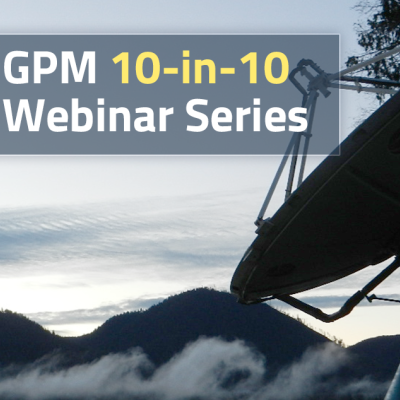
(380, 32)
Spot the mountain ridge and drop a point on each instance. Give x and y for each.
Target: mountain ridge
(164, 330)
(185, 317)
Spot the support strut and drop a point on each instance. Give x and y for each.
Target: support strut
(320, 83)
(348, 306)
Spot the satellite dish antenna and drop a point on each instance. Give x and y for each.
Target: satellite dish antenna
(343, 218)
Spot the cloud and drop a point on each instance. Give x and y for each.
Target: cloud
(365, 387)
(211, 368)
(88, 259)
(206, 369)
(97, 314)
(89, 256)
(192, 231)
(315, 375)
(303, 378)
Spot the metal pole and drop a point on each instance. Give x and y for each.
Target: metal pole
(293, 165)
(370, 81)
(275, 181)
(310, 116)
(394, 389)
(348, 306)
(360, 88)
(333, 77)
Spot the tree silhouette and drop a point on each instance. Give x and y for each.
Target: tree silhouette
(379, 33)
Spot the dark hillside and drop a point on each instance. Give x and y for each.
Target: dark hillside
(163, 331)
(378, 357)
(22, 340)
(166, 328)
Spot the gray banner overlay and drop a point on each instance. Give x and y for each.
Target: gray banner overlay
(172, 115)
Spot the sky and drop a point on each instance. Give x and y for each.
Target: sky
(85, 238)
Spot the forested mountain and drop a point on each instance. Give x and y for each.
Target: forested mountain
(164, 329)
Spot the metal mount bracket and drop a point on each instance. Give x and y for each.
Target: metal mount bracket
(349, 305)
(320, 83)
